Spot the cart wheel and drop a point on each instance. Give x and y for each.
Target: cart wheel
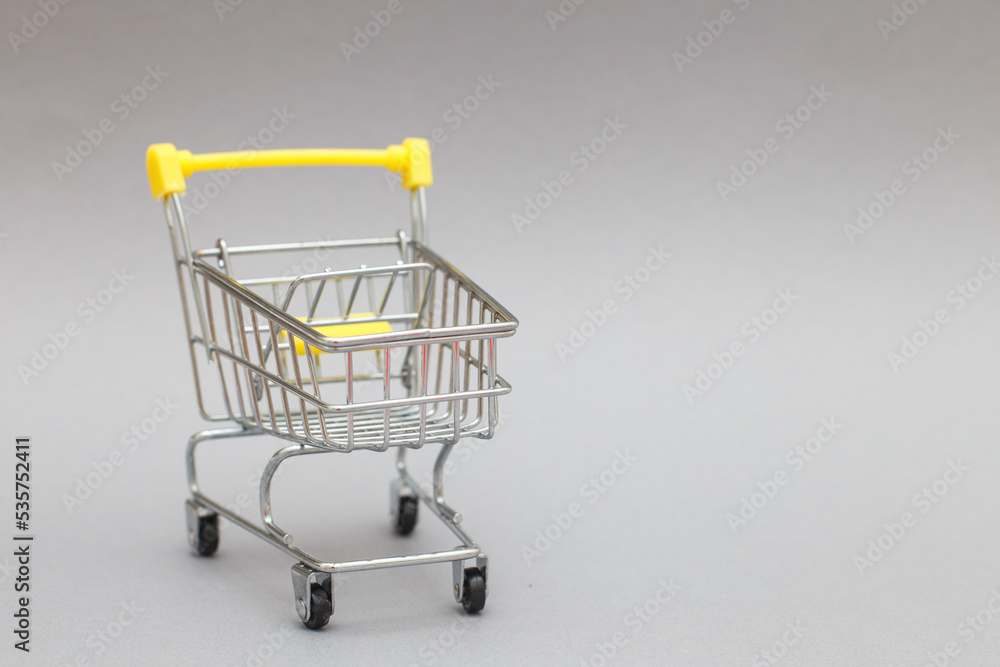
(406, 514)
(320, 608)
(203, 533)
(473, 590)
(313, 595)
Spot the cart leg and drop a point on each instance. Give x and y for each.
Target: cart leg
(313, 595)
(446, 510)
(267, 476)
(441, 508)
(469, 583)
(202, 521)
(202, 436)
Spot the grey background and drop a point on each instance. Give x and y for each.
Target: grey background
(666, 517)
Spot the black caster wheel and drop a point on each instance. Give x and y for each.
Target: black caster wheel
(320, 608)
(405, 517)
(313, 595)
(203, 530)
(473, 590)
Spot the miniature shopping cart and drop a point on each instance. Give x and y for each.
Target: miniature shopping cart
(395, 351)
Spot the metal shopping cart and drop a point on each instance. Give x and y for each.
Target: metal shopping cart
(395, 352)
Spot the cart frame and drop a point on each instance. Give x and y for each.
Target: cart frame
(310, 422)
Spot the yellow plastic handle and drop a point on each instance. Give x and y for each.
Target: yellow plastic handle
(167, 166)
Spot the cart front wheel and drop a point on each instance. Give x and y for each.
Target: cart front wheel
(405, 519)
(313, 595)
(320, 609)
(473, 590)
(203, 529)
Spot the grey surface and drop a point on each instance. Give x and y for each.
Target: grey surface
(663, 519)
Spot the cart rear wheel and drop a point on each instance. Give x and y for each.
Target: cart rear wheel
(204, 538)
(473, 590)
(320, 608)
(406, 514)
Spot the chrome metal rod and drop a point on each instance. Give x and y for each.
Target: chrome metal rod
(470, 550)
